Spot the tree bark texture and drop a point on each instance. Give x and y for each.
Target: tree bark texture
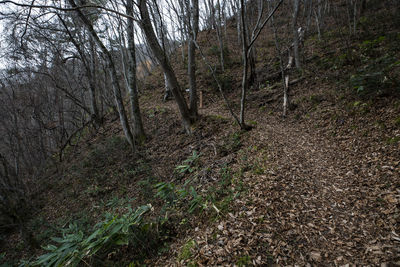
(138, 130)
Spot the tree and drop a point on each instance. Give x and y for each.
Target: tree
(113, 73)
(295, 31)
(138, 130)
(246, 50)
(193, 28)
(162, 58)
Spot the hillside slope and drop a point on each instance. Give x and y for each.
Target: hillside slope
(319, 187)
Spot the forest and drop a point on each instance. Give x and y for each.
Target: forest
(199, 133)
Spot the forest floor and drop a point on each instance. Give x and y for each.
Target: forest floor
(311, 197)
(319, 187)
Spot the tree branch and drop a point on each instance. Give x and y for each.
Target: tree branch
(263, 25)
(69, 9)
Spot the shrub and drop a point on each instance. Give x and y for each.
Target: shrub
(75, 247)
(184, 196)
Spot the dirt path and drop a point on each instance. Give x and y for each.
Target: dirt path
(320, 201)
(317, 203)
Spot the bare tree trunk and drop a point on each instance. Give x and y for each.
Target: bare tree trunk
(193, 30)
(252, 53)
(161, 34)
(286, 102)
(218, 28)
(238, 27)
(308, 6)
(212, 70)
(285, 77)
(92, 83)
(246, 51)
(138, 130)
(113, 73)
(167, 90)
(319, 12)
(245, 65)
(162, 58)
(296, 4)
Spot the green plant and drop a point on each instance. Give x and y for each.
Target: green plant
(257, 169)
(252, 123)
(157, 110)
(362, 107)
(368, 46)
(393, 140)
(186, 251)
(3, 262)
(196, 202)
(75, 247)
(188, 165)
(118, 202)
(244, 261)
(166, 191)
(173, 196)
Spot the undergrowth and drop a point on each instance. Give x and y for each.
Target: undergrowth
(75, 247)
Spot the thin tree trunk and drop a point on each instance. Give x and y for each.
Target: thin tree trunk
(309, 14)
(220, 37)
(138, 130)
(92, 83)
(212, 70)
(162, 58)
(193, 30)
(113, 73)
(245, 65)
(285, 78)
(296, 4)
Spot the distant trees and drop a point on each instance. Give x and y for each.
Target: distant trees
(14, 204)
(113, 74)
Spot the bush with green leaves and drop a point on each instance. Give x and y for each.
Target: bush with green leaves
(185, 195)
(181, 195)
(75, 247)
